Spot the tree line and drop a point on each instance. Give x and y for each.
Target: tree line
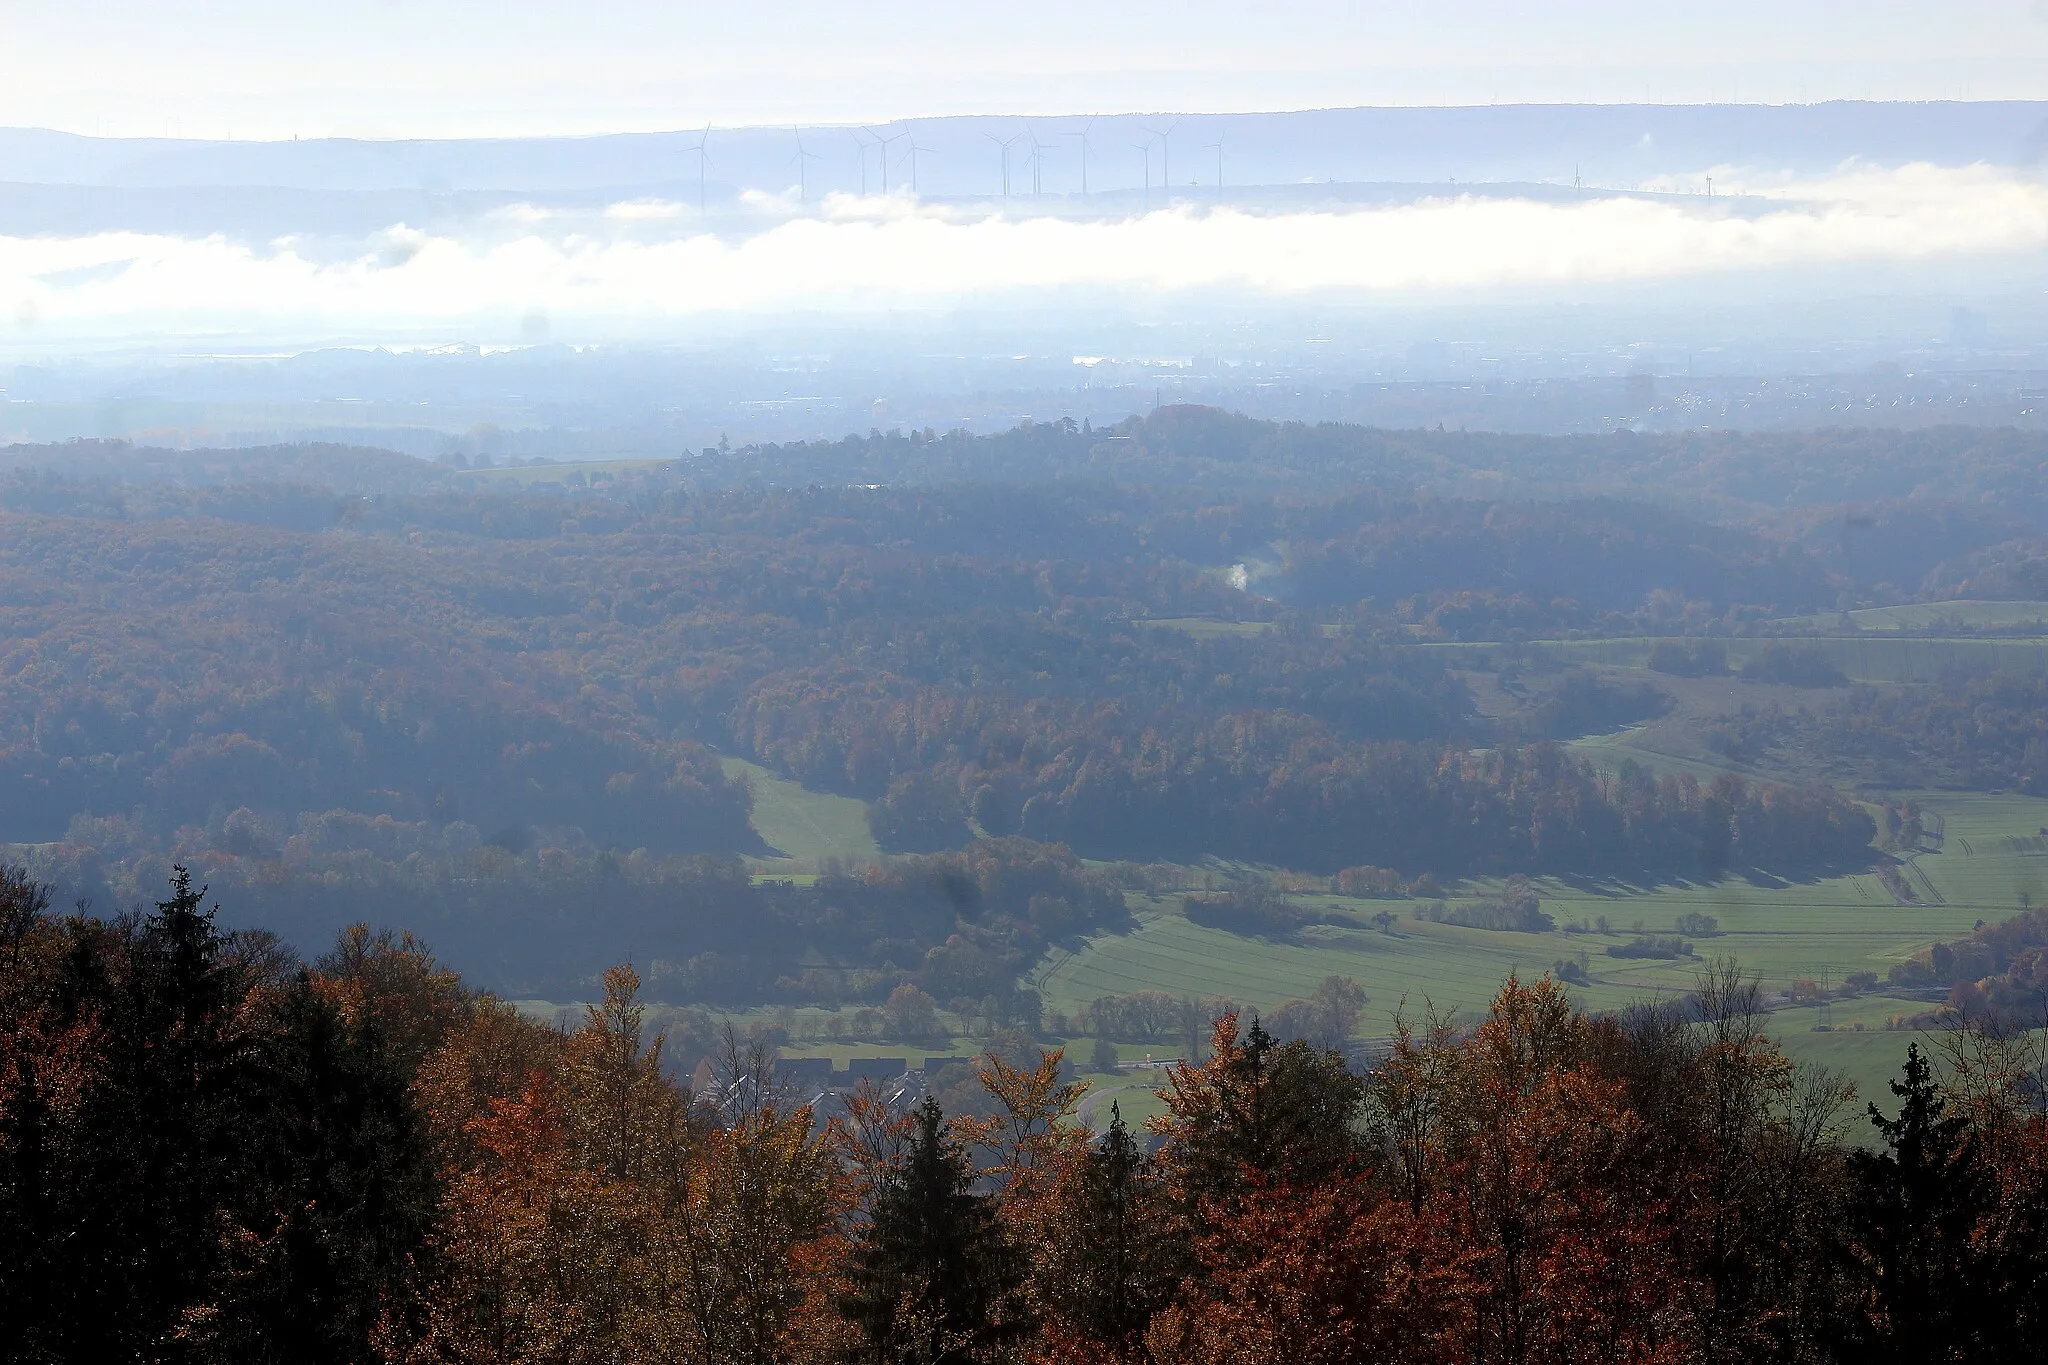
(1117, 781)
(544, 921)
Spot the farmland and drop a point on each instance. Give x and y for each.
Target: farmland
(1989, 855)
(1934, 617)
(1984, 857)
(1876, 656)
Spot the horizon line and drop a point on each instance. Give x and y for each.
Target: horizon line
(693, 129)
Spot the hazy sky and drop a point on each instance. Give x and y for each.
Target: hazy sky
(276, 68)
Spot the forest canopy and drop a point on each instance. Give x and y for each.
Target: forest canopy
(325, 674)
(213, 1151)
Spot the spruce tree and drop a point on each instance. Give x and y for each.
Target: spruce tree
(340, 1179)
(159, 1132)
(1918, 1205)
(1281, 1111)
(1110, 1276)
(934, 1280)
(238, 1174)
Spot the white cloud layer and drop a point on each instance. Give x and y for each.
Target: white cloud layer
(643, 267)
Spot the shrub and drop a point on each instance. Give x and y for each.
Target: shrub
(1644, 945)
(1701, 659)
(1254, 912)
(920, 813)
(1516, 909)
(1794, 667)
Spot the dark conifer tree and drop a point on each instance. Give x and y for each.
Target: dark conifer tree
(1111, 1276)
(934, 1280)
(1918, 1205)
(234, 1171)
(1281, 1111)
(159, 1133)
(341, 1190)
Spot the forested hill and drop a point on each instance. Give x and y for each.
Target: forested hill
(498, 699)
(1950, 467)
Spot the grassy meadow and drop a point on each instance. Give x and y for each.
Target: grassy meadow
(1989, 855)
(1870, 657)
(1932, 616)
(802, 827)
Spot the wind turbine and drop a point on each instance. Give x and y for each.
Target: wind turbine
(1217, 147)
(1083, 135)
(702, 138)
(1003, 145)
(803, 184)
(885, 141)
(1165, 157)
(855, 134)
(914, 150)
(1146, 149)
(1037, 164)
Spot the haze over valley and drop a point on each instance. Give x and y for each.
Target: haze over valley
(1128, 684)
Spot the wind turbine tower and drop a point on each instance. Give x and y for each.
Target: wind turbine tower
(914, 150)
(896, 136)
(1003, 145)
(803, 160)
(1165, 157)
(1083, 135)
(702, 138)
(856, 134)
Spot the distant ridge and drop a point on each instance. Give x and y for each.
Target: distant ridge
(1607, 145)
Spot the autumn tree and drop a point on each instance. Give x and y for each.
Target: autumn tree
(1741, 1156)
(544, 1249)
(1566, 1247)
(741, 1221)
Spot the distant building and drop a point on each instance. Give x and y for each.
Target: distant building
(877, 1069)
(806, 1073)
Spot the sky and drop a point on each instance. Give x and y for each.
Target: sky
(436, 68)
(653, 270)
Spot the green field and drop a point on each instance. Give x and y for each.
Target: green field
(1873, 657)
(1987, 859)
(804, 827)
(567, 471)
(1609, 752)
(1962, 615)
(1822, 931)
(1203, 628)
(1990, 855)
